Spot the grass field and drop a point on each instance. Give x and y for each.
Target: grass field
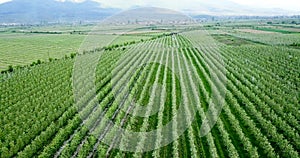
(256, 74)
(23, 49)
(23, 46)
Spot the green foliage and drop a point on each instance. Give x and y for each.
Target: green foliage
(28, 48)
(295, 45)
(260, 118)
(73, 55)
(230, 40)
(276, 30)
(10, 68)
(33, 63)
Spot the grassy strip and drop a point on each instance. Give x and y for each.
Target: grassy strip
(276, 30)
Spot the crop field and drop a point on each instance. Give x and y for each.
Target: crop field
(20, 49)
(60, 108)
(23, 46)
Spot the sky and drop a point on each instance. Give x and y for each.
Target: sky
(284, 4)
(187, 4)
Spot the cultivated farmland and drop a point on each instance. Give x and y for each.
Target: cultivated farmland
(248, 81)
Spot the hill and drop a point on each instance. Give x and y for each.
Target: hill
(36, 11)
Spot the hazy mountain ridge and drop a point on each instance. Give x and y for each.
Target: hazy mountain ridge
(33, 11)
(37, 11)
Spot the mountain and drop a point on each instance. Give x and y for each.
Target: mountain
(148, 15)
(36, 11)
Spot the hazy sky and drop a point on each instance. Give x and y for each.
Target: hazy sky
(186, 4)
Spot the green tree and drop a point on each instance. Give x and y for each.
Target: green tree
(10, 68)
(39, 62)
